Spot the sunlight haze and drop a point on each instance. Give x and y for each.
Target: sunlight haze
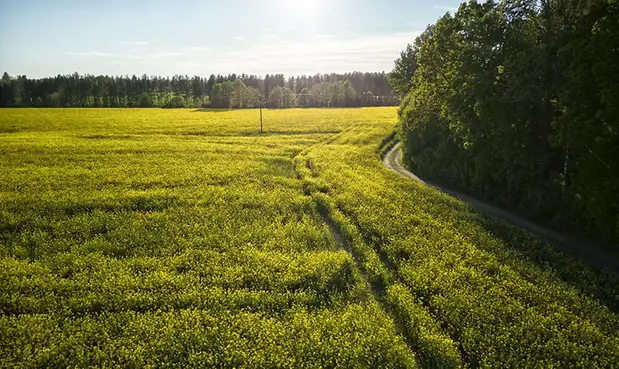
(41, 38)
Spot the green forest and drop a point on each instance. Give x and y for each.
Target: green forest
(516, 102)
(217, 91)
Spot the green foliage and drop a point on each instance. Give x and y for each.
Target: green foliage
(387, 143)
(512, 102)
(145, 101)
(234, 94)
(329, 94)
(175, 103)
(401, 77)
(217, 91)
(282, 97)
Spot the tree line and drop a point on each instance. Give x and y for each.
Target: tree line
(517, 101)
(216, 91)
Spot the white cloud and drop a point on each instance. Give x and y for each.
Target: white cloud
(134, 43)
(317, 54)
(239, 38)
(90, 53)
(143, 53)
(446, 8)
(197, 49)
(277, 53)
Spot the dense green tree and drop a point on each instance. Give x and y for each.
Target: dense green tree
(175, 103)
(305, 100)
(515, 101)
(132, 91)
(221, 95)
(238, 94)
(282, 97)
(401, 78)
(254, 98)
(145, 101)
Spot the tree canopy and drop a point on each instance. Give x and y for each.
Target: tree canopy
(401, 78)
(516, 101)
(217, 91)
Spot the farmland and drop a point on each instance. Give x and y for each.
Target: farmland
(148, 237)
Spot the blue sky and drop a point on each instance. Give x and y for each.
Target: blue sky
(46, 38)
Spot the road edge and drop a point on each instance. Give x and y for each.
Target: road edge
(588, 251)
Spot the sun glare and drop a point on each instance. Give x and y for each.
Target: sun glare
(305, 8)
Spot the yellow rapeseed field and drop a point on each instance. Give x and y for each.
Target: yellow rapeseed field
(149, 237)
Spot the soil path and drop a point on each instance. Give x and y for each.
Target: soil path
(584, 249)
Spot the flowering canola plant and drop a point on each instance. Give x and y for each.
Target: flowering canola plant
(159, 238)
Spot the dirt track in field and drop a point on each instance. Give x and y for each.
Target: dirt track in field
(588, 251)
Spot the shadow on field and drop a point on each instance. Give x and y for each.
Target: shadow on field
(108, 137)
(9, 129)
(223, 110)
(256, 133)
(142, 204)
(278, 167)
(291, 132)
(210, 110)
(547, 258)
(534, 251)
(538, 256)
